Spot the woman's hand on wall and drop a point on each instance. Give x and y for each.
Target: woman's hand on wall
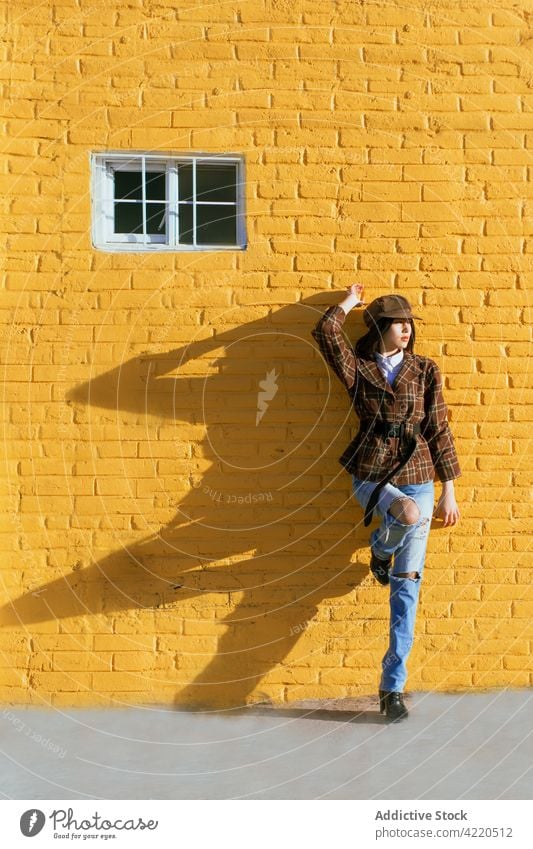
(354, 297)
(357, 289)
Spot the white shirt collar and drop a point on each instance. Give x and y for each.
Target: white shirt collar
(393, 360)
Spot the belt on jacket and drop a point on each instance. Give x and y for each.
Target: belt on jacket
(390, 429)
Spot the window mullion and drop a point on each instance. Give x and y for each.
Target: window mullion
(194, 202)
(106, 225)
(172, 203)
(143, 195)
(177, 179)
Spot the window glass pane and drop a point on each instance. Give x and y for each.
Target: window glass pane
(128, 185)
(216, 225)
(128, 218)
(216, 182)
(155, 185)
(185, 224)
(155, 219)
(185, 181)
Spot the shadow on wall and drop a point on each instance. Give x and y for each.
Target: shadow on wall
(267, 526)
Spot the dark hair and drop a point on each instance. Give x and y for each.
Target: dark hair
(371, 341)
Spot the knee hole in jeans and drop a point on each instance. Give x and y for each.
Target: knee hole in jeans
(405, 510)
(413, 576)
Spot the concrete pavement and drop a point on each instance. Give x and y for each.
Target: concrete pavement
(453, 746)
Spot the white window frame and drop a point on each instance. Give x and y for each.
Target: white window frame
(103, 164)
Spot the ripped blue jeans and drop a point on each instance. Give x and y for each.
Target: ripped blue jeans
(407, 544)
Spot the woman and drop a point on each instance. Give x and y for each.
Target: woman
(403, 442)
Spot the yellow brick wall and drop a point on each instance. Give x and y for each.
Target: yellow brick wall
(157, 544)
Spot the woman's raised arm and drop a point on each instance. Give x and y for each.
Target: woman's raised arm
(329, 334)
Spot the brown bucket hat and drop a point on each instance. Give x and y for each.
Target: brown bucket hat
(388, 306)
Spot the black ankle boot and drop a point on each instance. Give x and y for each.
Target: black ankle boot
(392, 704)
(380, 568)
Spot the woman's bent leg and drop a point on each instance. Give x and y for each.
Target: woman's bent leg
(391, 534)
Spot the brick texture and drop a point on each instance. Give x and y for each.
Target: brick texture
(176, 526)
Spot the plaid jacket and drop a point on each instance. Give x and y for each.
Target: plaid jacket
(415, 396)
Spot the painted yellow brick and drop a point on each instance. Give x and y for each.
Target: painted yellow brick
(115, 642)
(63, 681)
(520, 663)
(74, 660)
(446, 680)
(16, 678)
(483, 608)
(307, 170)
(114, 487)
(487, 663)
(299, 692)
(499, 678)
(449, 626)
(120, 681)
(462, 373)
(456, 298)
(347, 676)
(133, 660)
(522, 510)
(282, 675)
(443, 593)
